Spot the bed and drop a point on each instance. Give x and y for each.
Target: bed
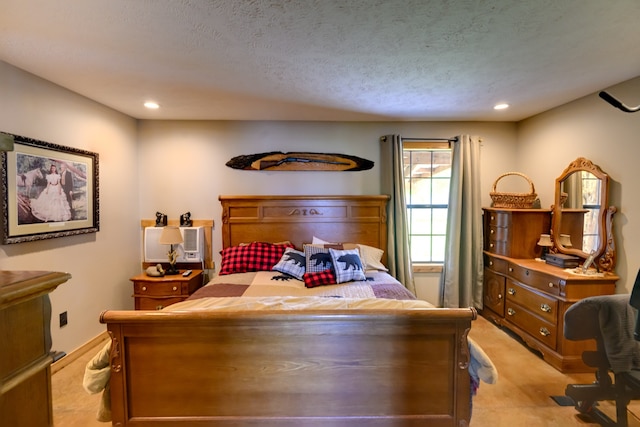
(251, 350)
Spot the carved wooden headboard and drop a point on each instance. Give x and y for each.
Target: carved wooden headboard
(352, 219)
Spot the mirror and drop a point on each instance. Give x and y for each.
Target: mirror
(582, 218)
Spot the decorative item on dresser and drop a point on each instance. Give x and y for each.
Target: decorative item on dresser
(528, 296)
(171, 236)
(25, 374)
(155, 293)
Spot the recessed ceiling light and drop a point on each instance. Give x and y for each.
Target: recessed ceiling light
(151, 105)
(502, 106)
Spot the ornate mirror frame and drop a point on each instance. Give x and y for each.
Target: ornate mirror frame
(604, 254)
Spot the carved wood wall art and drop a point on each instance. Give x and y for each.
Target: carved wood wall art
(299, 161)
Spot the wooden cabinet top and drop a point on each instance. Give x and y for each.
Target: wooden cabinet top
(17, 286)
(143, 277)
(562, 273)
(515, 210)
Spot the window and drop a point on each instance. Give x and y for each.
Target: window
(427, 174)
(591, 200)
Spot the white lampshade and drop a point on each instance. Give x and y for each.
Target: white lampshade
(170, 236)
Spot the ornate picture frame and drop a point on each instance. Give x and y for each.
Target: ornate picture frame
(48, 191)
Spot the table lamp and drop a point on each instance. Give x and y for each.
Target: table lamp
(545, 242)
(565, 240)
(171, 236)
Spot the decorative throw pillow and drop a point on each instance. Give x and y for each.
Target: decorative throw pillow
(319, 278)
(347, 265)
(317, 258)
(293, 263)
(256, 256)
(371, 257)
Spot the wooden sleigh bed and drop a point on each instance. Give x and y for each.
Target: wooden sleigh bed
(297, 368)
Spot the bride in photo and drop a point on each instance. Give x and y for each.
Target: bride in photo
(52, 204)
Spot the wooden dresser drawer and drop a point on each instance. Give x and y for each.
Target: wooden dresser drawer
(496, 264)
(158, 288)
(500, 219)
(494, 291)
(144, 303)
(539, 304)
(535, 326)
(155, 293)
(498, 248)
(535, 279)
(498, 234)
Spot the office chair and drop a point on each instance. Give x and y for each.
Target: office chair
(611, 320)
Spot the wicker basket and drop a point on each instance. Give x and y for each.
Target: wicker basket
(513, 200)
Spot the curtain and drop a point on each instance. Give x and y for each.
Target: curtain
(461, 280)
(392, 175)
(572, 185)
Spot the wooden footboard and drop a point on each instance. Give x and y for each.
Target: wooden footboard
(290, 369)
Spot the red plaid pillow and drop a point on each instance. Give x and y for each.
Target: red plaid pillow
(256, 256)
(320, 278)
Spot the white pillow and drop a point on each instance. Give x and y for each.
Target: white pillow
(371, 257)
(318, 241)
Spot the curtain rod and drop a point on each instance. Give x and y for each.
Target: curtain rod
(431, 139)
(454, 139)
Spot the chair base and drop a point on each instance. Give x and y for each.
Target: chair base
(586, 396)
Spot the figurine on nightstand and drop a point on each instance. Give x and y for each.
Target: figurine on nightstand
(155, 271)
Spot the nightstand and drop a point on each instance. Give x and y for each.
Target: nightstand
(155, 293)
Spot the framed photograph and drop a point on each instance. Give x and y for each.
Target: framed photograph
(48, 191)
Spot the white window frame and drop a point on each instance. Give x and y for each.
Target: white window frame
(423, 265)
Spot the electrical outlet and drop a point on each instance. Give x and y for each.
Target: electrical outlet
(63, 319)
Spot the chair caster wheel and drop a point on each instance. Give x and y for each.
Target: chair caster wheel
(584, 406)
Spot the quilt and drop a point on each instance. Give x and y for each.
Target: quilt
(272, 283)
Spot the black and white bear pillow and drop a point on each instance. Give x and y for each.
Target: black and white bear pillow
(293, 263)
(347, 265)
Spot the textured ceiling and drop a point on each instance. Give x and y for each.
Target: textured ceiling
(325, 59)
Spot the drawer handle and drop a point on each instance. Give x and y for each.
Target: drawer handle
(493, 217)
(544, 332)
(551, 284)
(511, 312)
(144, 288)
(492, 231)
(511, 291)
(545, 307)
(499, 296)
(159, 307)
(510, 269)
(490, 262)
(175, 288)
(490, 245)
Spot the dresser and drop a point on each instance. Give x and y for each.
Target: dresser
(25, 340)
(528, 296)
(155, 293)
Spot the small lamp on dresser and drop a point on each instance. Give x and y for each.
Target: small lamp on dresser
(565, 240)
(171, 236)
(545, 243)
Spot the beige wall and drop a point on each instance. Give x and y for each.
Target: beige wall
(182, 164)
(100, 263)
(591, 128)
(179, 166)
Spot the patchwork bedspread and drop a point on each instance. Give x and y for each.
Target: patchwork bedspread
(272, 283)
